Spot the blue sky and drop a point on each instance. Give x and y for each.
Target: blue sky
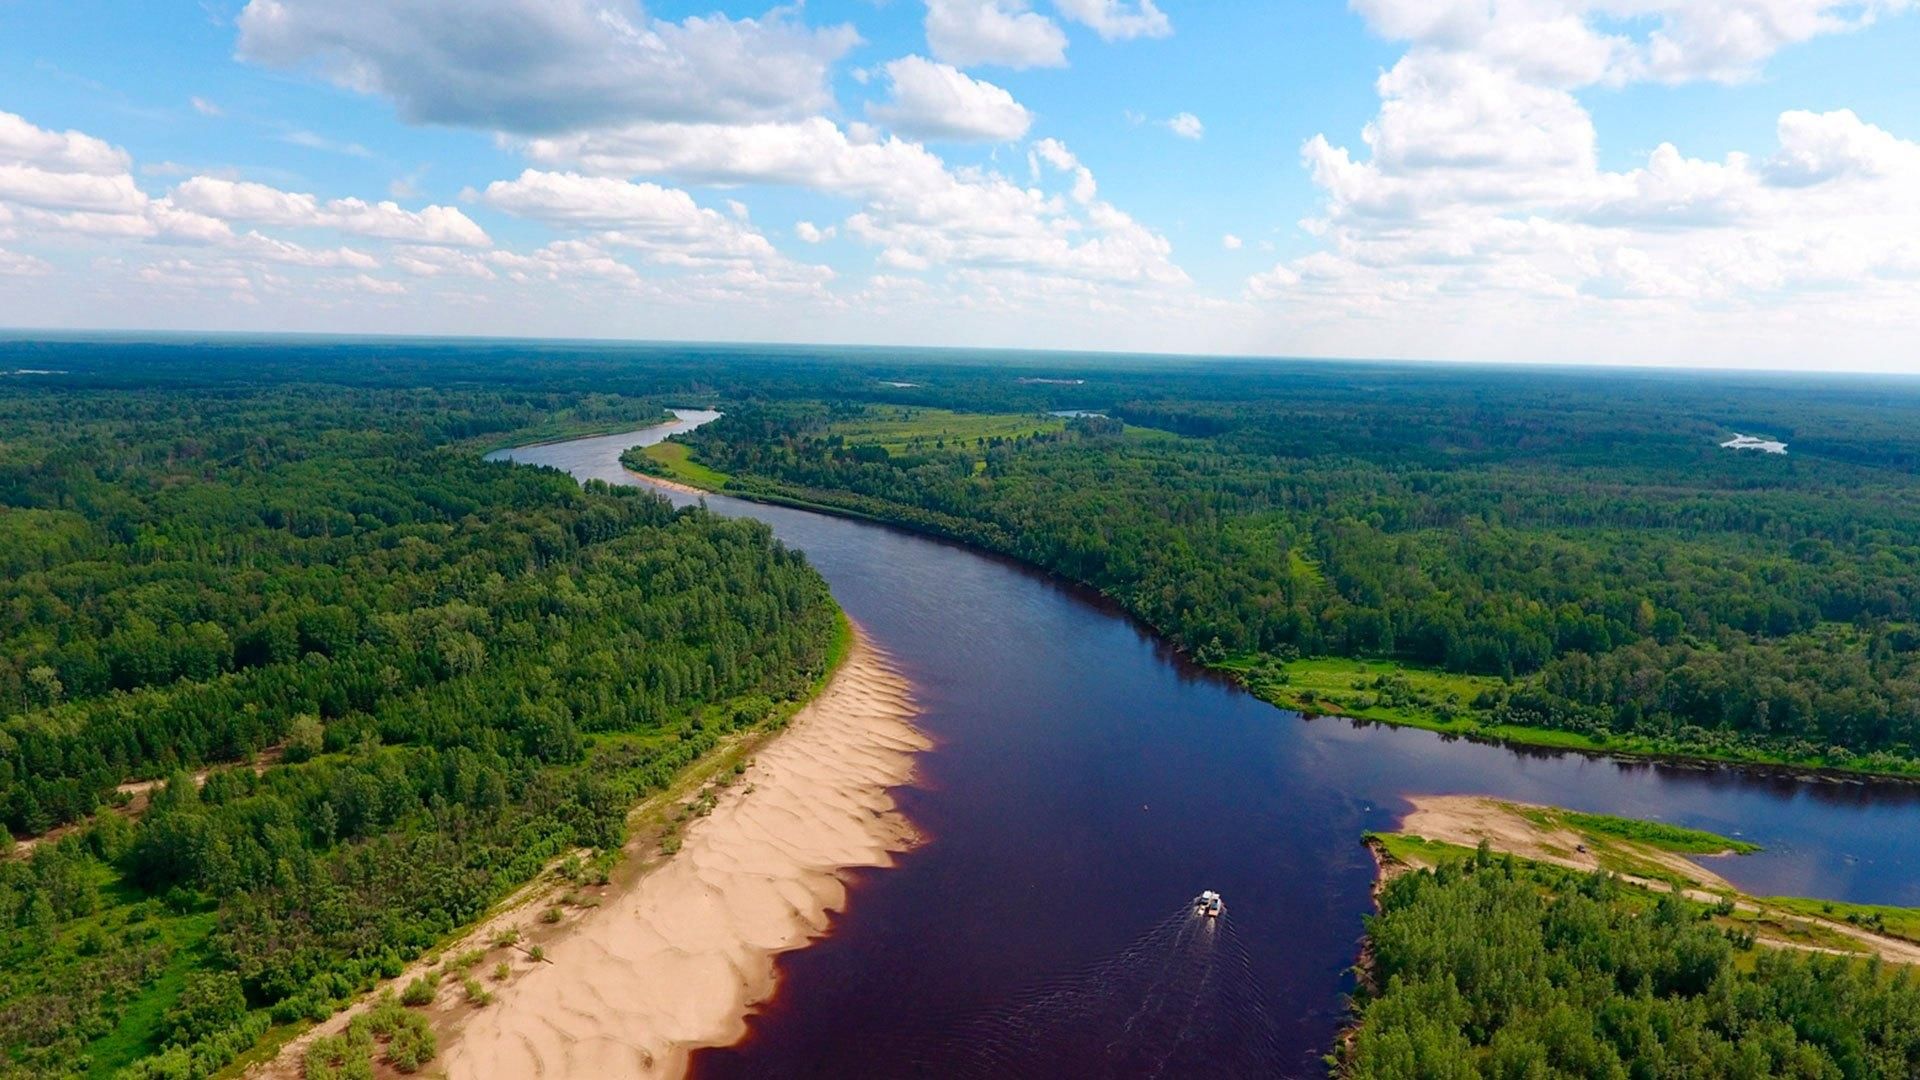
(1618, 181)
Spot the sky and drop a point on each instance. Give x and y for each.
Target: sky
(1683, 182)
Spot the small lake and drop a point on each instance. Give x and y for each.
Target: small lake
(1087, 782)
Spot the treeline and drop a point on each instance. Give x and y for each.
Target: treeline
(406, 679)
(1630, 579)
(1488, 968)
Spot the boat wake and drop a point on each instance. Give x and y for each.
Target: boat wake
(1179, 1000)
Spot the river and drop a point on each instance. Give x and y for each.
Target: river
(1086, 782)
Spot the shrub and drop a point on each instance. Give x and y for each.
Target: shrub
(418, 992)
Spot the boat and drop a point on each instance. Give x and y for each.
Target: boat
(1210, 904)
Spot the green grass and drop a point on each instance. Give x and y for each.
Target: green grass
(675, 461)
(137, 1031)
(1656, 834)
(1897, 922)
(905, 430)
(1418, 850)
(1415, 696)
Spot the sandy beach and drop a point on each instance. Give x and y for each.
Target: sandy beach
(670, 485)
(677, 960)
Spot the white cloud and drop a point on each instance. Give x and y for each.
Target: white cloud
(1818, 147)
(22, 143)
(430, 262)
(937, 101)
(240, 200)
(1116, 20)
(810, 233)
(1003, 32)
(916, 211)
(544, 66)
(1479, 199)
(204, 107)
(1231, 242)
(1582, 42)
(664, 220)
(1055, 153)
(282, 251)
(1187, 126)
(17, 264)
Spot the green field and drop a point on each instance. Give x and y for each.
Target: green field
(1383, 690)
(1892, 921)
(1656, 834)
(906, 430)
(674, 461)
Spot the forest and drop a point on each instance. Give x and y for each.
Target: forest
(293, 686)
(1580, 541)
(1495, 967)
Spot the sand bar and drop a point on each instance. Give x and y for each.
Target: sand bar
(678, 960)
(1465, 820)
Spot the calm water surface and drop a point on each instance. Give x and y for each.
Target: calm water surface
(1087, 782)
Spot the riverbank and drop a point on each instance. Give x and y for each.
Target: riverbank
(676, 959)
(1514, 957)
(1307, 697)
(1414, 697)
(1647, 856)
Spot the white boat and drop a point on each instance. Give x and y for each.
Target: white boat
(1210, 904)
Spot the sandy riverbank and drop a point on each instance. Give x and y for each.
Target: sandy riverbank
(1465, 820)
(670, 485)
(676, 961)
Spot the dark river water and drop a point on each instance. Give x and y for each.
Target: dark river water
(1087, 782)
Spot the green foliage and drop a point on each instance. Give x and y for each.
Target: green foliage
(1657, 834)
(210, 1001)
(387, 1031)
(418, 992)
(1490, 967)
(471, 669)
(1579, 544)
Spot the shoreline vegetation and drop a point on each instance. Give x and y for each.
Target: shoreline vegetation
(1374, 690)
(1516, 939)
(674, 958)
(519, 930)
(390, 689)
(1650, 856)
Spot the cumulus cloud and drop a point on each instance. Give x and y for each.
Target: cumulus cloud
(1583, 42)
(22, 143)
(242, 200)
(1479, 188)
(938, 101)
(660, 219)
(915, 211)
(1116, 20)
(1231, 242)
(1003, 32)
(1187, 126)
(810, 233)
(543, 66)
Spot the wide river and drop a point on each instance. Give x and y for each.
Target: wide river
(1087, 782)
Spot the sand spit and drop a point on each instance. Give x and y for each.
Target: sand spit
(677, 961)
(1466, 820)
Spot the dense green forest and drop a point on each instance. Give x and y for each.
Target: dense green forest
(1498, 968)
(1580, 540)
(384, 682)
